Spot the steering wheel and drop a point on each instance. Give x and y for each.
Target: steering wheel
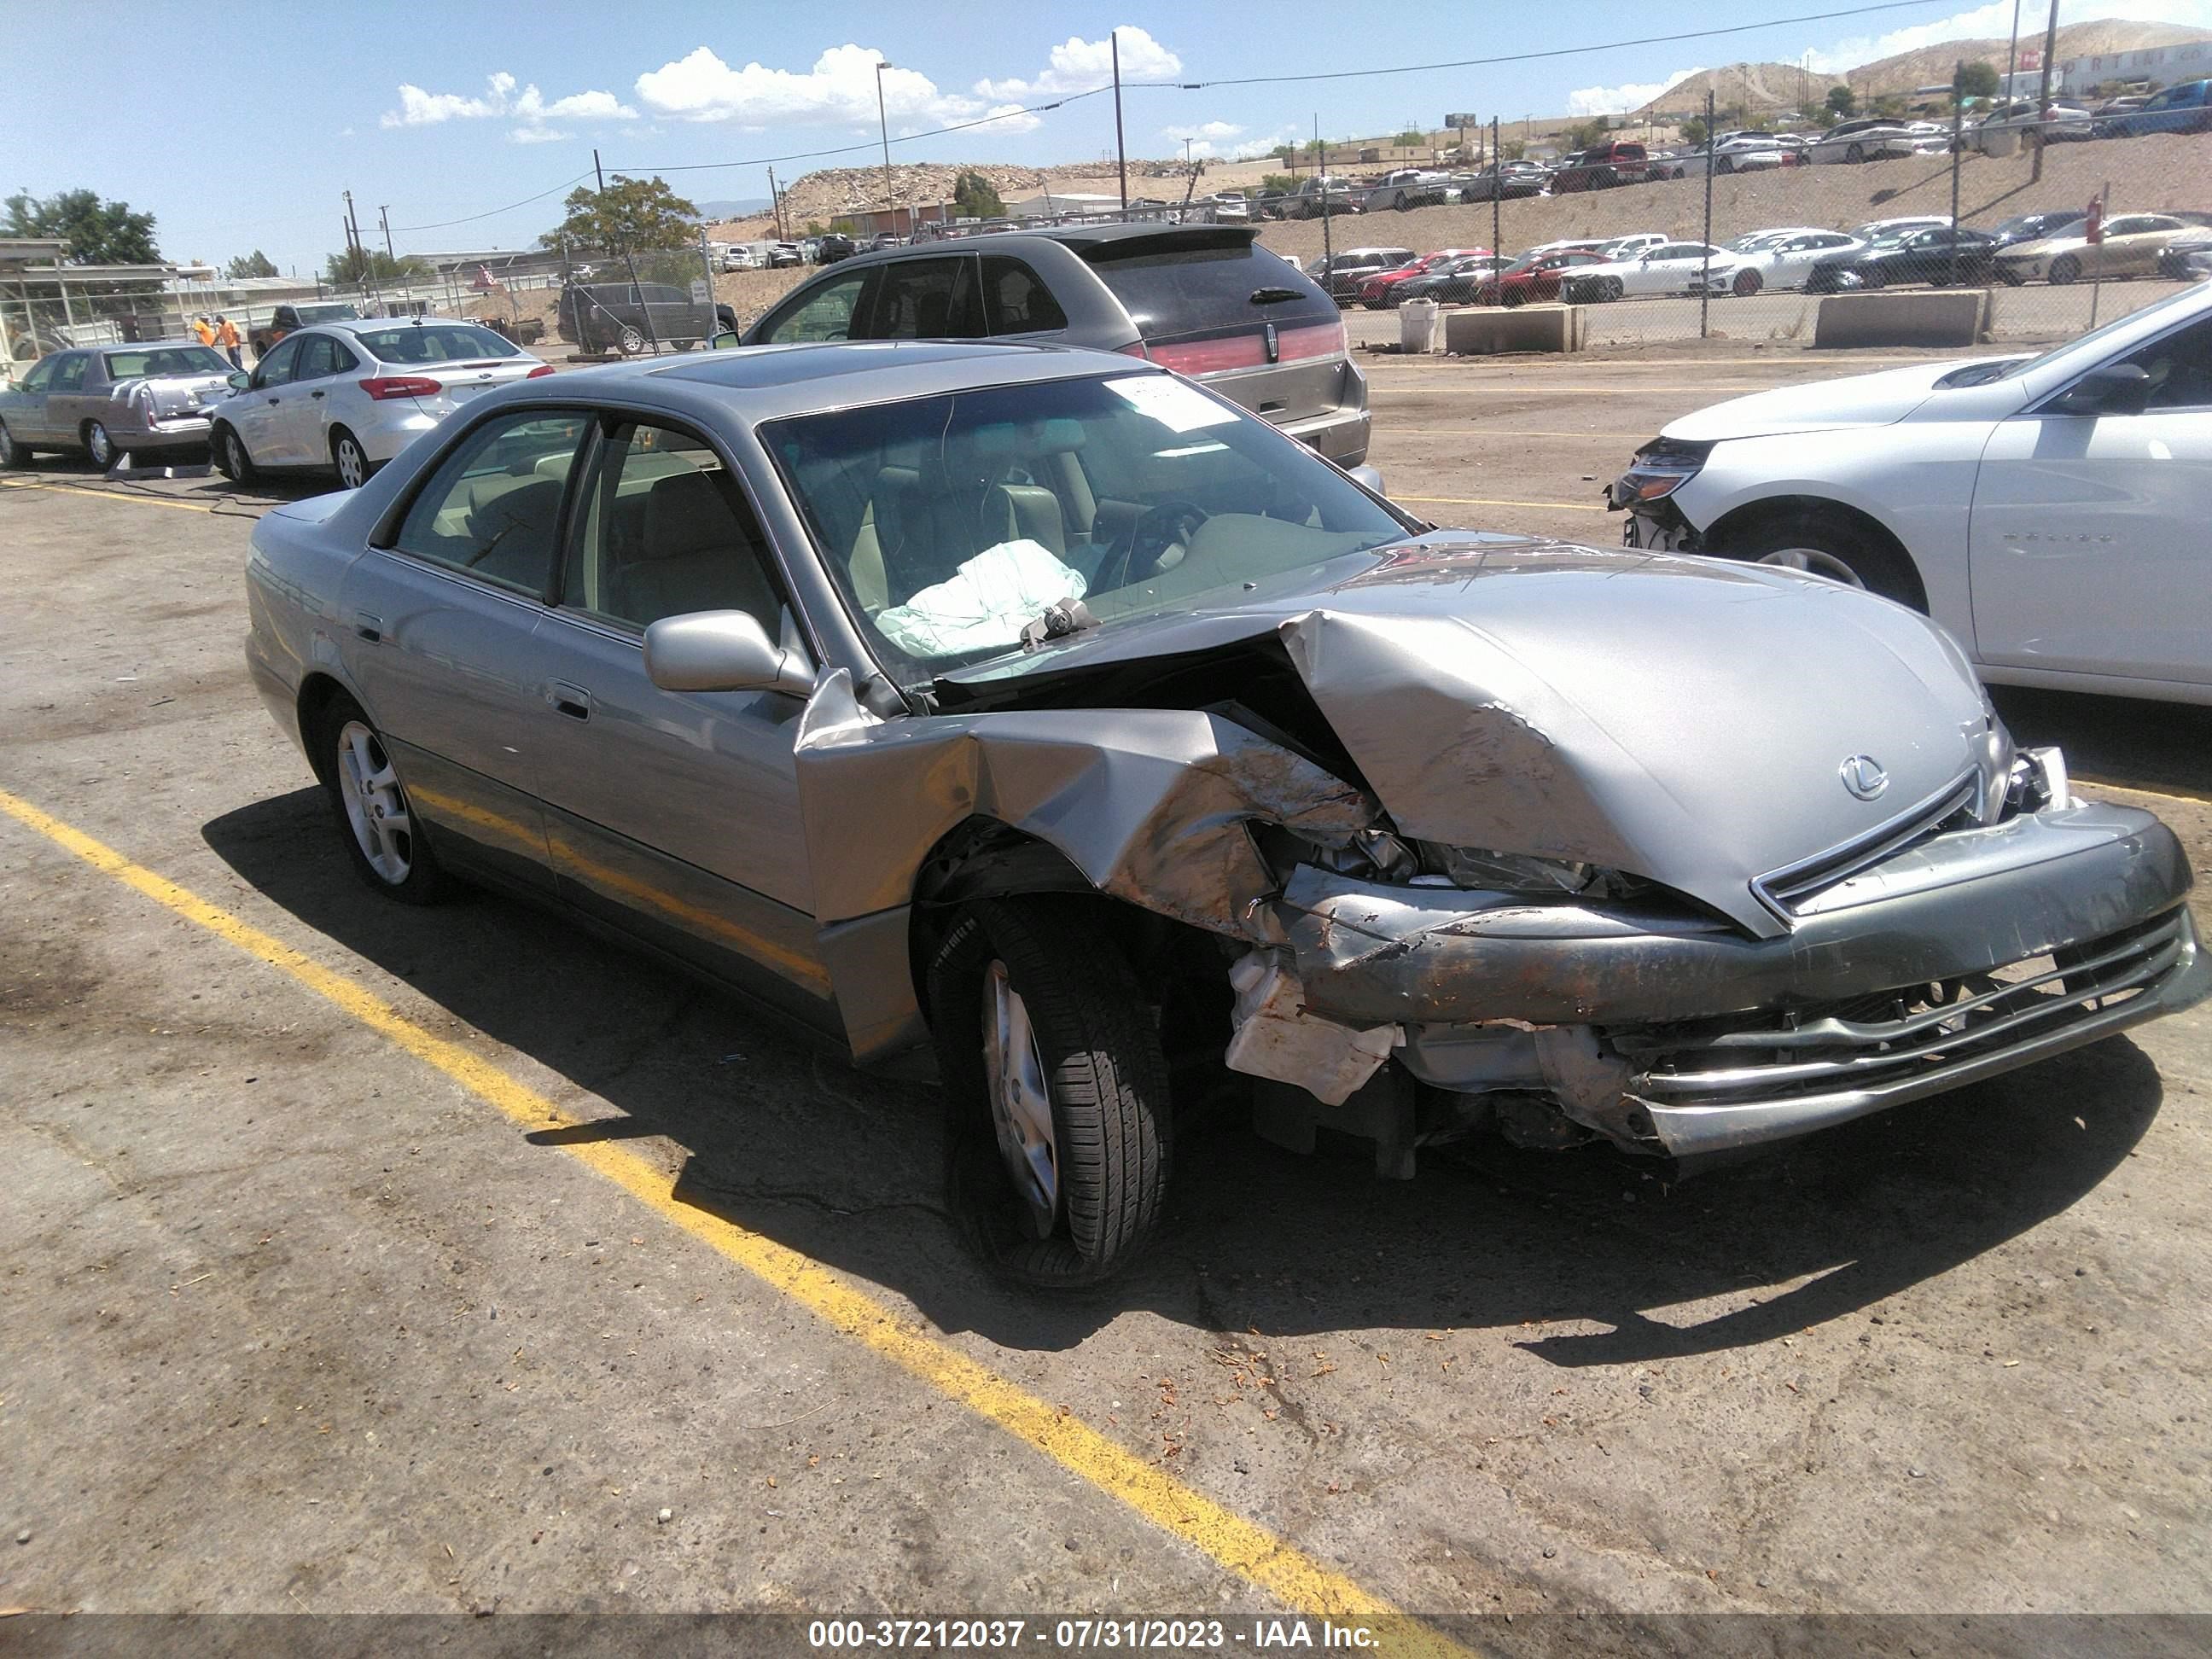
(1160, 531)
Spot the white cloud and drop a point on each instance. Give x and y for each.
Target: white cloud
(839, 90)
(1994, 21)
(1079, 66)
(1615, 101)
(535, 135)
(419, 108)
(1206, 138)
(1005, 119)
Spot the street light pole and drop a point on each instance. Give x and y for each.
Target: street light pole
(884, 121)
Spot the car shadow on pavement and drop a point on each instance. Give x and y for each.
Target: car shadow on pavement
(779, 1137)
(2136, 745)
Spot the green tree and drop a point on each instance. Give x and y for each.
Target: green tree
(98, 233)
(256, 263)
(1412, 137)
(1275, 181)
(977, 198)
(1975, 80)
(372, 265)
(629, 213)
(1890, 104)
(1694, 129)
(1841, 100)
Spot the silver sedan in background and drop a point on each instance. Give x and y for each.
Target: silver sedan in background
(349, 396)
(108, 402)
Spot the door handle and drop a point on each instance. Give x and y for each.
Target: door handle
(275, 400)
(369, 626)
(570, 700)
(314, 394)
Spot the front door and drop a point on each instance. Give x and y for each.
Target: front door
(438, 631)
(258, 413)
(27, 417)
(675, 814)
(2088, 537)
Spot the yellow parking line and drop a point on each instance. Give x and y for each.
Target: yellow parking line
(1481, 501)
(114, 495)
(1296, 1579)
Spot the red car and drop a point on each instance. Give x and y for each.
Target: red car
(1381, 289)
(1534, 278)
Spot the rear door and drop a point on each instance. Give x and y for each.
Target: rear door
(306, 420)
(437, 628)
(1220, 307)
(67, 406)
(931, 299)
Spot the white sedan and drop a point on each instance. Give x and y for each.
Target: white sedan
(2048, 511)
(1787, 261)
(1874, 139)
(349, 396)
(1670, 268)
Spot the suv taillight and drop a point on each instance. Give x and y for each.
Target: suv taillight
(386, 387)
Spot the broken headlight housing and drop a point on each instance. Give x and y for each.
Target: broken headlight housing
(1660, 467)
(1381, 856)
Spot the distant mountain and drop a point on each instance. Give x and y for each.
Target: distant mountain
(1760, 87)
(715, 212)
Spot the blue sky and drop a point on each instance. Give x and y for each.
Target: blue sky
(445, 112)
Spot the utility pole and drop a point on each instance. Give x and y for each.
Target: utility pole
(884, 123)
(1321, 178)
(1706, 276)
(775, 204)
(599, 173)
(2012, 54)
(1496, 200)
(384, 218)
(1120, 150)
(2043, 86)
(1958, 157)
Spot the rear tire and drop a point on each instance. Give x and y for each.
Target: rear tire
(1855, 153)
(1830, 545)
(385, 846)
(99, 444)
(1058, 1126)
(350, 460)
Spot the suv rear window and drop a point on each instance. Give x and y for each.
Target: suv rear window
(1174, 292)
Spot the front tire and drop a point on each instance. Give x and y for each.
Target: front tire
(386, 847)
(230, 456)
(12, 453)
(2066, 269)
(1747, 284)
(350, 460)
(1832, 546)
(1056, 1090)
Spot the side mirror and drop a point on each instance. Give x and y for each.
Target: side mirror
(722, 651)
(238, 380)
(2108, 389)
(1366, 477)
(722, 342)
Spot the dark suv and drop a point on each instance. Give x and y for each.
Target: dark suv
(1601, 166)
(631, 317)
(1205, 300)
(285, 319)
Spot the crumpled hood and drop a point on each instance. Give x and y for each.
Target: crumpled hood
(1823, 405)
(1684, 719)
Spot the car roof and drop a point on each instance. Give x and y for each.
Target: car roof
(1079, 238)
(145, 345)
(779, 380)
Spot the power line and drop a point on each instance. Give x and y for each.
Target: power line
(1532, 56)
(898, 138)
(471, 219)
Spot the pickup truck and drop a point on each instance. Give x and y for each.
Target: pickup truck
(285, 319)
(1406, 189)
(1314, 197)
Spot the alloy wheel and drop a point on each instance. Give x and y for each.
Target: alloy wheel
(353, 465)
(375, 805)
(1021, 1103)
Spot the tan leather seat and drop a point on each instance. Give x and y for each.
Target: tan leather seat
(694, 555)
(1026, 511)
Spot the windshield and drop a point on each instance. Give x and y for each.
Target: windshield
(951, 522)
(445, 343)
(155, 361)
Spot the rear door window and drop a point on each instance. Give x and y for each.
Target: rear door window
(1176, 291)
(825, 314)
(70, 377)
(492, 508)
(926, 300)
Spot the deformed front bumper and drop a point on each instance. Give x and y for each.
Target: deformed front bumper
(1880, 993)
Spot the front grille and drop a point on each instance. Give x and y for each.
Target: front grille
(1896, 1038)
(1952, 807)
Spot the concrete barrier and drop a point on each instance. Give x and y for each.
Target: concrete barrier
(1930, 316)
(1485, 331)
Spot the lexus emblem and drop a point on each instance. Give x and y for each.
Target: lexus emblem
(1863, 776)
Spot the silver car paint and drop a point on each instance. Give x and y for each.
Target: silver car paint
(1490, 691)
(180, 413)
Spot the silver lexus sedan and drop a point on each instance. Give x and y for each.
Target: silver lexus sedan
(1040, 711)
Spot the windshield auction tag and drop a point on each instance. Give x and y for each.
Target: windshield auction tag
(1178, 407)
